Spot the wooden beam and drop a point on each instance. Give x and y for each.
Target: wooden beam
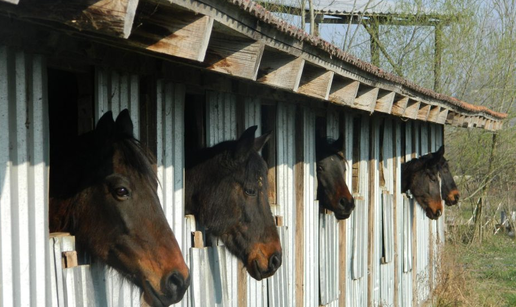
(69, 259)
(412, 109)
(366, 98)
(424, 111)
(113, 18)
(316, 82)
(343, 91)
(449, 117)
(171, 31)
(434, 114)
(385, 101)
(443, 115)
(230, 53)
(281, 70)
(400, 104)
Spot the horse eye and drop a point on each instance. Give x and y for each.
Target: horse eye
(250, 192)
(122, 193)
(320, 168)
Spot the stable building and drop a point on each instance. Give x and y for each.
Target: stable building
(195, 73)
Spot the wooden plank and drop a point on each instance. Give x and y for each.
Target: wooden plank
(385, 101)
(424, 111)
(433, 116)
(11, 1)
(280, 70)
(366, 98)
(299, 170)
(113, 18)
(412, 109)
(400, 104)
(230, 53)
(443, 115)
(450, 117)
(316, 82)
(69, 259)
(172, 31)
(343, 91)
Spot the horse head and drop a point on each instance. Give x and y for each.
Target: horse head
(226, 189)
(104, 193)
(332, 191)
(422, 176)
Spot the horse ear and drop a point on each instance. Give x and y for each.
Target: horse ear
(105, 125)
(339, 143)
(124, 124)
(259, 142)
(245, 143)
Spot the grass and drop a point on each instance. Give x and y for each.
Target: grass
(478, 274)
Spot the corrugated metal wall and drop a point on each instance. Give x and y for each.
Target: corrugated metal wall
(24, 160)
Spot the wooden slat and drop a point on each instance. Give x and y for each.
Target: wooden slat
(424, 111)
(412, 109)
(343, 91)
(399, 106)
(113, 18)
(366, 98)
(434, 114)
(167, 30)
(233, 54)
(450, 117)
(316, 82)
(385, 101)
(280, 70)
(443, 115)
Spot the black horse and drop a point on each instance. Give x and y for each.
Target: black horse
(422, 176)
(226, 189)
(103, 191)
(332, 191)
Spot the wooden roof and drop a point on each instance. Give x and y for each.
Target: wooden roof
(242, 39)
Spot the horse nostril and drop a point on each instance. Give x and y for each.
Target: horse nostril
(438, 213)
(175, 283)
(275, 261)
(350, 205)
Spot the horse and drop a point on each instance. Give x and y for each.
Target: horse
(226, 190)
(449, 191)
(332, 192)
(422, 176)
(103, 190)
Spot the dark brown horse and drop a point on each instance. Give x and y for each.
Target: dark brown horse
(226, 190)
(422, 176)
(103, 191)
(332, 192)
(449, 191)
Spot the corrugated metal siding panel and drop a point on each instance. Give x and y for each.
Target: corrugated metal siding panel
(23, 179)
(256, 290)
(286, 196)
(329, 236)
(357, 229)
(423, 230)
(221, 126)
(277, 284)
(114, 92)
(375, 244)
(310, 215)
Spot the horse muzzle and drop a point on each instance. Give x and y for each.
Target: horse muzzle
(173, 288)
